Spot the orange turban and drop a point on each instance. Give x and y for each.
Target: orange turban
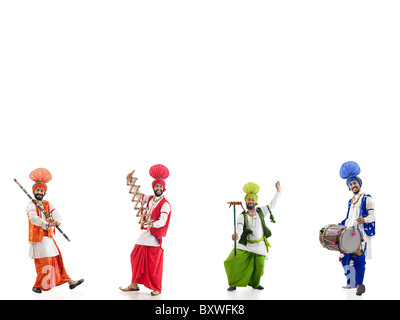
(41, 176)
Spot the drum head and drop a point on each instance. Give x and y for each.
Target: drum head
(350, 243)
(329, 235)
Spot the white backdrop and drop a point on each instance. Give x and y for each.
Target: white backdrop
(222, 93)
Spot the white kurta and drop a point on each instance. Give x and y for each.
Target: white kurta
(145, 237)
(354, 214)
(254, 223)
(46, 247)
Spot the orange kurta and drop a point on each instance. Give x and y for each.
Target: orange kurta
(35, 232)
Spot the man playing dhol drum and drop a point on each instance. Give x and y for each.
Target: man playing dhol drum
(360, 214)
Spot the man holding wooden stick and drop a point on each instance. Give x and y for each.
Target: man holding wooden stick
(43, 217)
(247, 266)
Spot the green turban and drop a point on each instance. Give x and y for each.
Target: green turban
(251, 189)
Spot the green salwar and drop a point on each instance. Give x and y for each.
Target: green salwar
(246, 270)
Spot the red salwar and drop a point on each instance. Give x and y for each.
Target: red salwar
(50, 272)
(147, 266)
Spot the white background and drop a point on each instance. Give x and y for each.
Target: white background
(222, 93)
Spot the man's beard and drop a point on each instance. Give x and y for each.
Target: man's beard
(158, 193)
(355, 190)
(250, 207)
(38, 196)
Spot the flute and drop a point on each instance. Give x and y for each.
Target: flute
(40, 208)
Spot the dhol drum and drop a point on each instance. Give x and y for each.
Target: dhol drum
(340, 238)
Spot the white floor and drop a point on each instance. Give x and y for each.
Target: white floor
(181, 285)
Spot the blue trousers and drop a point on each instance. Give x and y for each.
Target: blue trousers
(354, 273)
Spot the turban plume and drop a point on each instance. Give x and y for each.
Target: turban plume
(40, 176)
(159, 173)
(251, 189)
(350, 171)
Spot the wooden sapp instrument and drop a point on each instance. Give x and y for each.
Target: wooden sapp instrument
(137, 198)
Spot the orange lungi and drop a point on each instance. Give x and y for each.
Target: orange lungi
(50, 272)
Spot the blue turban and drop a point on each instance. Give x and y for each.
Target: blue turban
(350, 171)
